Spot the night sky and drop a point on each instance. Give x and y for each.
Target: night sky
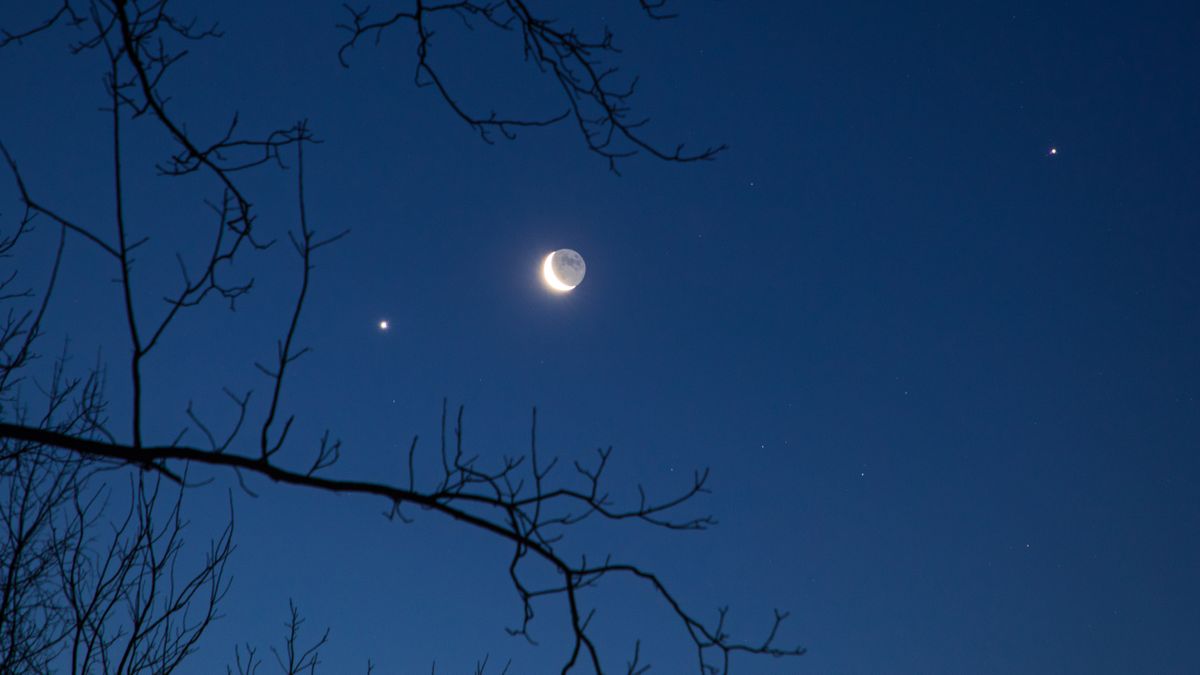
(945, 379)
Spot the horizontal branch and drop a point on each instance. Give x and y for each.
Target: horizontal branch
(152, 457)
(517, 525)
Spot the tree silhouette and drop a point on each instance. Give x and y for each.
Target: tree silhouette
(60, 451)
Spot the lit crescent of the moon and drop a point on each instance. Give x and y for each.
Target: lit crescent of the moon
(552, 279)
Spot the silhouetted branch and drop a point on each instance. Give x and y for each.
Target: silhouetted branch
(65, 14)
(591, 94)
(305, 246)
(506, 514)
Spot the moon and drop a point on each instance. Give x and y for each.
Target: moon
(563, 270)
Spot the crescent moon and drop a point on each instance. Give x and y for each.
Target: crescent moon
(551, 278)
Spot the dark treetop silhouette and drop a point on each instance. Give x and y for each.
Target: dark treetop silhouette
(60, 448)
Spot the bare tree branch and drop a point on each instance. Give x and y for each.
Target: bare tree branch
(600, 107)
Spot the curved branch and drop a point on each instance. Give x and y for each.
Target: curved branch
(450, 500)
(599, 107)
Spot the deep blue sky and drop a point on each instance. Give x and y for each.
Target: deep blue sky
(946, 383)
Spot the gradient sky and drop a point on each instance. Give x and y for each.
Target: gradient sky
(946, 382)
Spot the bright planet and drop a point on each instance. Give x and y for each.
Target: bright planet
(563, 270)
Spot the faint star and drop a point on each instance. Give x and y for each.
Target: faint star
(383, 325)
(1053, 151)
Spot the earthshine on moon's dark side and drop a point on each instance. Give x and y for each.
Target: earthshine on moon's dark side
(563, 270)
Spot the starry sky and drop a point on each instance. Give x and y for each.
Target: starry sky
(945, 380)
